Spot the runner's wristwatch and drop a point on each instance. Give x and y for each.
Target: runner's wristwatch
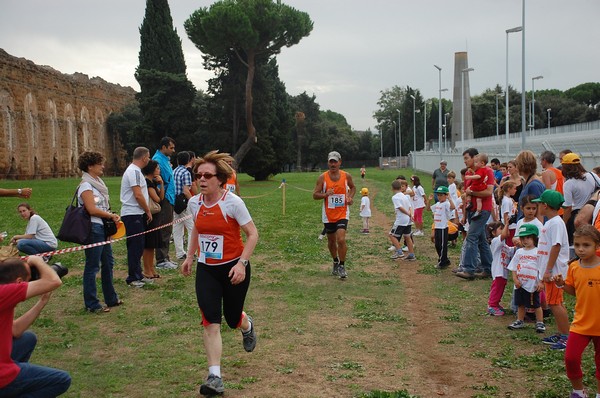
(244, 262)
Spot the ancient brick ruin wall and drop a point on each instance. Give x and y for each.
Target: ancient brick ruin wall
(48, 118)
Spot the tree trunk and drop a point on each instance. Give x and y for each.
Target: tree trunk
(252, 139)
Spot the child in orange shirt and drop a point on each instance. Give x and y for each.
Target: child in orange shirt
(583, 281)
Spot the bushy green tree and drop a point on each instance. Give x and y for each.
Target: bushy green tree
(254, 30)
(166, 95)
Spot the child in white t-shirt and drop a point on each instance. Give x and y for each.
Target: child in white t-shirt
(501, 254)
(365, 209)
(526, 276)
(443, 211)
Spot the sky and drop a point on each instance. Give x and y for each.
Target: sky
(357, 48)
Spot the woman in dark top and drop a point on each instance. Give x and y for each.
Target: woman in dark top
(526, 163)
(152, 239)
(514, 176)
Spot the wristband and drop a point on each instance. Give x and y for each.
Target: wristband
(19, 191)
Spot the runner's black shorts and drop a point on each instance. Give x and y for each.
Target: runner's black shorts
(332, 227)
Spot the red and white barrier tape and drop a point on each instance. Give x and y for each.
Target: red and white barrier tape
(90, 245)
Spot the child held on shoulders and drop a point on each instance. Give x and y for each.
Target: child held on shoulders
(479, 181)
(443, 211)
(553, 250)
(401, 227)
(365, 209)
(502, 254)
(583, 282)
(525, 270)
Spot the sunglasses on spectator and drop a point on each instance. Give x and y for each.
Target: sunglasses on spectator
(207, 176)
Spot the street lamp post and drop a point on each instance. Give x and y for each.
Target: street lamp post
(497, 131)
(414, 132)
(523, 79)
(548, 110)
(446, 131)
(424, 125)
(399, 135)
(506, 94)
(462, 107)
(439, 109)
(395, 147)
(532, 113)
(381, 141)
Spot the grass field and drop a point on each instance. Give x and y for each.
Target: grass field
(391, 330)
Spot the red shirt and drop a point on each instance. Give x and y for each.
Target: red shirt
(10, 295)
(486, 202)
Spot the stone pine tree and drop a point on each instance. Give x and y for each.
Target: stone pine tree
(166, 95)
(254, 30)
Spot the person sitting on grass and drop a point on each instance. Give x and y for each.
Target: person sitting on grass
(582, 282)
(38, 237)
(524, 267)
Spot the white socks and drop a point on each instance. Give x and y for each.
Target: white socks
(214, 370)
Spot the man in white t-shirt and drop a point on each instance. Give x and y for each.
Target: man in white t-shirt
(135, 213)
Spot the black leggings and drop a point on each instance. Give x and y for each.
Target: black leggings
(215, 291)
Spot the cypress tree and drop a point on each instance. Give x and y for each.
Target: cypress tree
(166, 94)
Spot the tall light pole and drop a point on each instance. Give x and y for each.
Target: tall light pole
(395, 147)
(548, 110)
(424, 125)
(381, 142)
(506, 94)
(414, 133)
(399, 135)
(523, 81)
(462, 107)
(532, 113)
(497, 131)
(439, 109)
(446, 131)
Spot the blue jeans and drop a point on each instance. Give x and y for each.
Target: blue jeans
(23, 347)
(33, 380)
(476, 245)
(134, 224)
(93, 258)
(33, 246)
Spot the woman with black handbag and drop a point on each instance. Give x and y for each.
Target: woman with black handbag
(93, 195)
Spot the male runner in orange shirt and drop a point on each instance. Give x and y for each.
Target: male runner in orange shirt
(336, 189)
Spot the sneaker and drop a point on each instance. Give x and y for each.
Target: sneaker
(495, 311)
(212, 386)
(336, 269)
(138, 284)
(397, 255)
(560, 345)
(540, 327)
(404, 248)
(182, 257)
(457, 269)
(418, 233)
(518, 324)
(410, 257)
(577, 395)
(551, 340)
(342, 272)
(482, 275)
(249, 337)
(465, 275)
(392, 248)
(476, 215)
(47, 259)
(148, 281)
(167, 265)
(321, 236)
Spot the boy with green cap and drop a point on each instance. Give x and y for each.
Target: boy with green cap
(443, 211)
(553, 250)
(525, 271)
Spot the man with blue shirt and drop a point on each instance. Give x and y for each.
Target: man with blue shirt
(165, 216)
(183, 186)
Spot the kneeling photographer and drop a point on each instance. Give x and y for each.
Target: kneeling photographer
(18, 377)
